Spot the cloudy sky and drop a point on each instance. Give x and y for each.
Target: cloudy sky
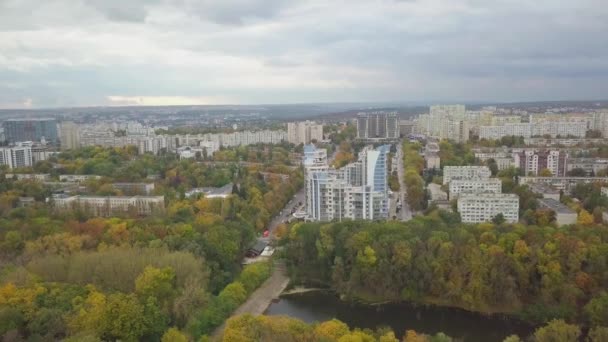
(115, 52)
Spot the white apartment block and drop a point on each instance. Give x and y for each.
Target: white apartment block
(16, 157)
(465, 172)
(456, 130)
(475, 208)
(357, 191)
(304, 132)
(448, 122)
(111, 205)
(473, 186)
(500, 120)
(527, 130)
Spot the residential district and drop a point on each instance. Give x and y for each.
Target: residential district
(182, 219)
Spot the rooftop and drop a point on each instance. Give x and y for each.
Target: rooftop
(556, 206)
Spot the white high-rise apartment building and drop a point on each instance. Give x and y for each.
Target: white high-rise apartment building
(527, 130)
(304, 132)
(441, 113)
(472, 186)
(15, 157)
(69, 135)
(465, 172)
(475, 208)
(357, 191)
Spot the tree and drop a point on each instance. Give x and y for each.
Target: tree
(331, 330)
(597, 334)
(557, 331)
(545, 173)
(585, 218)
(174, 335)
(156, 282)
(596, 310)
(498, 219)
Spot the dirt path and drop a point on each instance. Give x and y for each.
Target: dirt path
(261, 298)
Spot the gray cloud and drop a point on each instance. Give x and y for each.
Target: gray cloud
(254, 51)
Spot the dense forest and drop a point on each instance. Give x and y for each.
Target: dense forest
(82, 278)
(247, 328)
(536, 273)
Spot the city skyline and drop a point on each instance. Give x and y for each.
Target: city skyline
(74, 54)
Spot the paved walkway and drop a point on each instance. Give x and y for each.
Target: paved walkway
(261, 298)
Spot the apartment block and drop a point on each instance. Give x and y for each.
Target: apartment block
(377, 126)
(531, 162)
(17, 130)
(16, 157)
(357, 191)
(475, 208)
(69, 135)
(528, 130)
(304, 132)
(111, 205)
(472, 186)
(465, 172)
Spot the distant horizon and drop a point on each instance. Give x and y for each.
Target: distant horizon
(353, 103)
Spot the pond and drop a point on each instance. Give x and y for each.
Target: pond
(466, 326)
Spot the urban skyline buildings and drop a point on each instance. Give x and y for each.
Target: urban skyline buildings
(377, 126)
(358, 190)
(35, 129)
(304, 132)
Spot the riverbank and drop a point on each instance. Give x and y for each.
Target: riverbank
(261, 298)
(318, 306)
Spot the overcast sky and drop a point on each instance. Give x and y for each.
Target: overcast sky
(114, 52)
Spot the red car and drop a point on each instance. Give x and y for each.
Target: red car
(266, 233)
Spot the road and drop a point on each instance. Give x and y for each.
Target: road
(261, 298)
(406, 213)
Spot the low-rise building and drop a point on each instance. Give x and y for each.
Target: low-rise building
(438, 196)
(134, 188)
(110, 205)
(77, 178)
(591, 166)
(563, 214)
(562, 183)
(465, 172)
(432, 160)
(43, 177)
(475, 208)
(546, 190)
(472, 186)
(605, 191)
(211, 192)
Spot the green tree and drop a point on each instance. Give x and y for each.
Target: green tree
(557, 331)
(596, 310)
(597, 334)
(174, 335)
(156, 282)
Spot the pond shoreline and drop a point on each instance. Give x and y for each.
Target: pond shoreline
(320, 304)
